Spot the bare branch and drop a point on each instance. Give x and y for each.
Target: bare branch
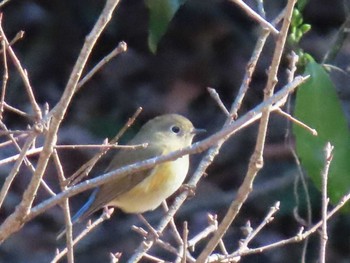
(256, 16)
(324, 235)
(122, 47)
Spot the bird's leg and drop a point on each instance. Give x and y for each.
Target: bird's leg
(150, 228)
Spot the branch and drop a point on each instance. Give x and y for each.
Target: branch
(324, 236)
(250, 12)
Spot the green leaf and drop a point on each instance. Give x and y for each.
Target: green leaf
(297, 18)
(160, 14)
(318, 106)
(305, 28)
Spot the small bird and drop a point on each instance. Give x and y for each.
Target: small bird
(145, 190)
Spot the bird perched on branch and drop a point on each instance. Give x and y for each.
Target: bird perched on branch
(145, 190)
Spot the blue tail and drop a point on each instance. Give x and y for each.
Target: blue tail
(81, 213)
(85, 207)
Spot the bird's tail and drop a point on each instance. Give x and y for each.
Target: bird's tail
(80, 215)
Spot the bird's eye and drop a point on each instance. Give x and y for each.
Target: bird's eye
(175, 129)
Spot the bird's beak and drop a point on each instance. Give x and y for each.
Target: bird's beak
(198, 131)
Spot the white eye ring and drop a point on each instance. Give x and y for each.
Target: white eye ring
(175, 129)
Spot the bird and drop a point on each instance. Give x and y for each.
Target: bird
(145, 190)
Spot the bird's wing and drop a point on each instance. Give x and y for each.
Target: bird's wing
(111, 190)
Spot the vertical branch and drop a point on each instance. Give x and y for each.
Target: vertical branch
(5, 77)
(324, 236)
(293, 60)
(65, 205)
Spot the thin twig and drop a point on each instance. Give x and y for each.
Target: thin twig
(15, 157)
(250, 12)
(85, 169)
(5, 77)
(122, 47)
(8, 132)
(328, 154)
(65, 206)
(173, 227)
(101, 146)
(297, 122)
(185, 239)
(293, 60)
(213, 93)
(17, 111)
(24, 134)
(18, 36)
(204, 233)
(22, 73)
(105, 215)
(39, 149)
(268, 218)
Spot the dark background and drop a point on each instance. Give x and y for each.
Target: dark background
(208, 43)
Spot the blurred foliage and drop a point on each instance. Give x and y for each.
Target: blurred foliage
(161, 13)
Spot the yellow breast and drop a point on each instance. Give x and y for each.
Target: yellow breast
(164, 180)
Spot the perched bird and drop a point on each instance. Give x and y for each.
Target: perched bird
(145, 190)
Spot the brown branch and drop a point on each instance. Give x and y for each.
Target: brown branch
(250, 12)
(328, 154)
(5, 77)
(122, 47)
(65, 207)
